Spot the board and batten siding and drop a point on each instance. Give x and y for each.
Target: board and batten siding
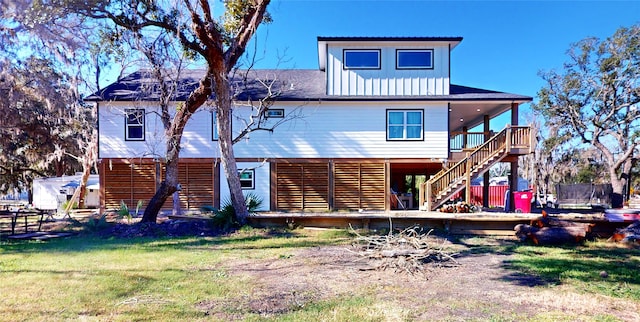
(388, 81)
(322, 130)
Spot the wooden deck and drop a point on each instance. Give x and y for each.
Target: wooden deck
(482, 223)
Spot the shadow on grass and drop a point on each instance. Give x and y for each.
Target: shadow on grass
(529, 265)
(595, 268)
(252, 239)
(594, 263)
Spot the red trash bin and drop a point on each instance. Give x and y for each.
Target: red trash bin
(522, 201)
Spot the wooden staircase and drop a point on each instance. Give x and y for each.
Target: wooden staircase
(513, 140)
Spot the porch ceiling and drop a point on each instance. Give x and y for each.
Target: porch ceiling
(471, 114)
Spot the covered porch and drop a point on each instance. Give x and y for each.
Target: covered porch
(476, 144)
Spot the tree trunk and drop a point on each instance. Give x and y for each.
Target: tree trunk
(167, 187)
(552, 235)
(87, 162)
(228, 160)
(170, 183)
(619, 182)
(177, 211)
(174, 136)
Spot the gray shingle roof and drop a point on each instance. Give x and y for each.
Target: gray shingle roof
(291, 85)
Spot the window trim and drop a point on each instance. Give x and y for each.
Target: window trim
(278, 115)
(344, 59)
(404, 125)
(127, 125)
(253, 179)
(398, 51)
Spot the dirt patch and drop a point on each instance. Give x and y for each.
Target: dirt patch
(480, 287)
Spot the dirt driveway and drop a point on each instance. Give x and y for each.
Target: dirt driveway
(481, 287)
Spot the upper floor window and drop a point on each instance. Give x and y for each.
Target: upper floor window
(404, 125)
(134, 125)
(414, 59)
(362, 59)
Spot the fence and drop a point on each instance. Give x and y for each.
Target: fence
(584, 194)
(496, 195)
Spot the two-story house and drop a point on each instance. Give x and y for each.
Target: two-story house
(378, 126)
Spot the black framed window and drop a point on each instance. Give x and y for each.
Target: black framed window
(405, 125)
(277, 113)
(414, 59)
(134, 125)
(361, 58)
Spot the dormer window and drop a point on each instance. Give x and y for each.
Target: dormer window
(414, 59)
(362, 59)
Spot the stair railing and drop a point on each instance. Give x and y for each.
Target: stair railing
(433, 189)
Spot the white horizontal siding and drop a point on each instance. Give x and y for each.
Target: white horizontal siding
(324, 130)
(387, 80)
(196, 140)
(262, 180)
(348, 131)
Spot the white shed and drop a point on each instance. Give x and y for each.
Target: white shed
(51, 193)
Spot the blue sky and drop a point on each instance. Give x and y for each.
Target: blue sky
(505, 43)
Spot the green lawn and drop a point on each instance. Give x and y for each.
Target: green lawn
(596, 268)
(91, 278)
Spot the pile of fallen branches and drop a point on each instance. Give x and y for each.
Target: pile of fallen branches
(407, 251)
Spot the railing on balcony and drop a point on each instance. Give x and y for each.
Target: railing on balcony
(512, 139)
(464, 140)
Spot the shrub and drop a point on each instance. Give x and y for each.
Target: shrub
(96, 224)
(123, 211)
(225, 217)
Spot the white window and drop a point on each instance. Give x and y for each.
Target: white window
(405, 125)
(361, 59)
(414, 59)
(247, 181)
(134, 125)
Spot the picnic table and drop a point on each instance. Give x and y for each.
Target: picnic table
(13, 219)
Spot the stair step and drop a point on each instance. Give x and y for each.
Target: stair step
(456, 183)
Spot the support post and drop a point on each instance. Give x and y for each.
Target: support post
(421, 192)
(514, 164)
(467, 195)
(465, 138)
(427, 196)
(485, 177)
